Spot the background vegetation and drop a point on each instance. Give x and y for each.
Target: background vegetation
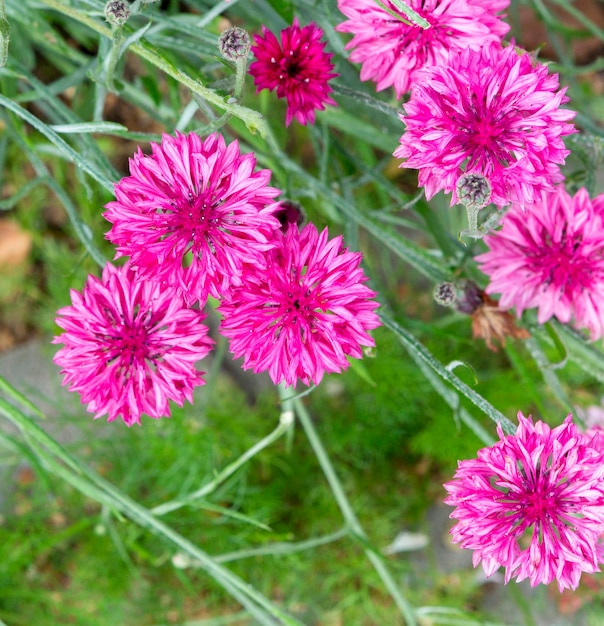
(81, 538)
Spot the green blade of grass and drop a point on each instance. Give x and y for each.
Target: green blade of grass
(84, 479)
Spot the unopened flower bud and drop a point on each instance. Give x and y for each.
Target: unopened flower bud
(473, 191)
(234, 43)
(445, 294)
(117, 12)
(470, 297)
(289, 213)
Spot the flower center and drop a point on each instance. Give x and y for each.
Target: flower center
(192, 219)
(563, 264)
(293, 67)
(129, 343)
(297, 307)
(536, 506)
(535, 502)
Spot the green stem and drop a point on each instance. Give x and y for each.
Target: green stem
(272, 549)
(347, 512)
(4, 35)
(114, 55)
(252, 119)
(285, 422)
(241, 73)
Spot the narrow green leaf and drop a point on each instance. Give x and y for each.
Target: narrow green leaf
(4, 40)
(562, 351)
(90, 127)
(450, 367)
(357, 366)
(16, 395)
(65, 149)
(411, 344)
(226, 512)
(584, 354)
(410, 14)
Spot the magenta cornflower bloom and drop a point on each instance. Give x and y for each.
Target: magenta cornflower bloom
(192, 213)
(298, 68)
(392, 50)
(129, 346)
(493, 113)
(532, 503)
(304, 314)
(551, 257)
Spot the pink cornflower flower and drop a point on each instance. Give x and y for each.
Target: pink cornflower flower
(192, 213)
(532, 503)
(304, 314)
(298, 68)
(392, 50)
(551, 257)
(129, 346)
(493, 113)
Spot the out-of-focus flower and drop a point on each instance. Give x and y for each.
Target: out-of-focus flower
(298, 69)
(493, 113)
(392, 50)
(532, 503)
(551, 257)
(129, 346)
(192, 213)
(305, 313)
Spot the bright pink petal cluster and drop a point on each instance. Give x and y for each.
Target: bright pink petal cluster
(298, 68)
(493, 112)
(192, 213)
(305, 313)
(129, 346)
(392, 50)
(551, 257)
(532, 503)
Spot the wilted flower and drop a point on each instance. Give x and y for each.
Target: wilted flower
(489, 322)
(492, 113)
(392, 50)
(192, 213)
(551, 257)
(532, 503)
(129, 346)
(298, 68)
(305, 313)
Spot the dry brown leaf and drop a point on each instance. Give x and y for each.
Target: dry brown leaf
(490, 323)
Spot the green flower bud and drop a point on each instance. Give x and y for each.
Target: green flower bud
(117, 12)
(473, 191)
(445, 294)
(234, 43)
